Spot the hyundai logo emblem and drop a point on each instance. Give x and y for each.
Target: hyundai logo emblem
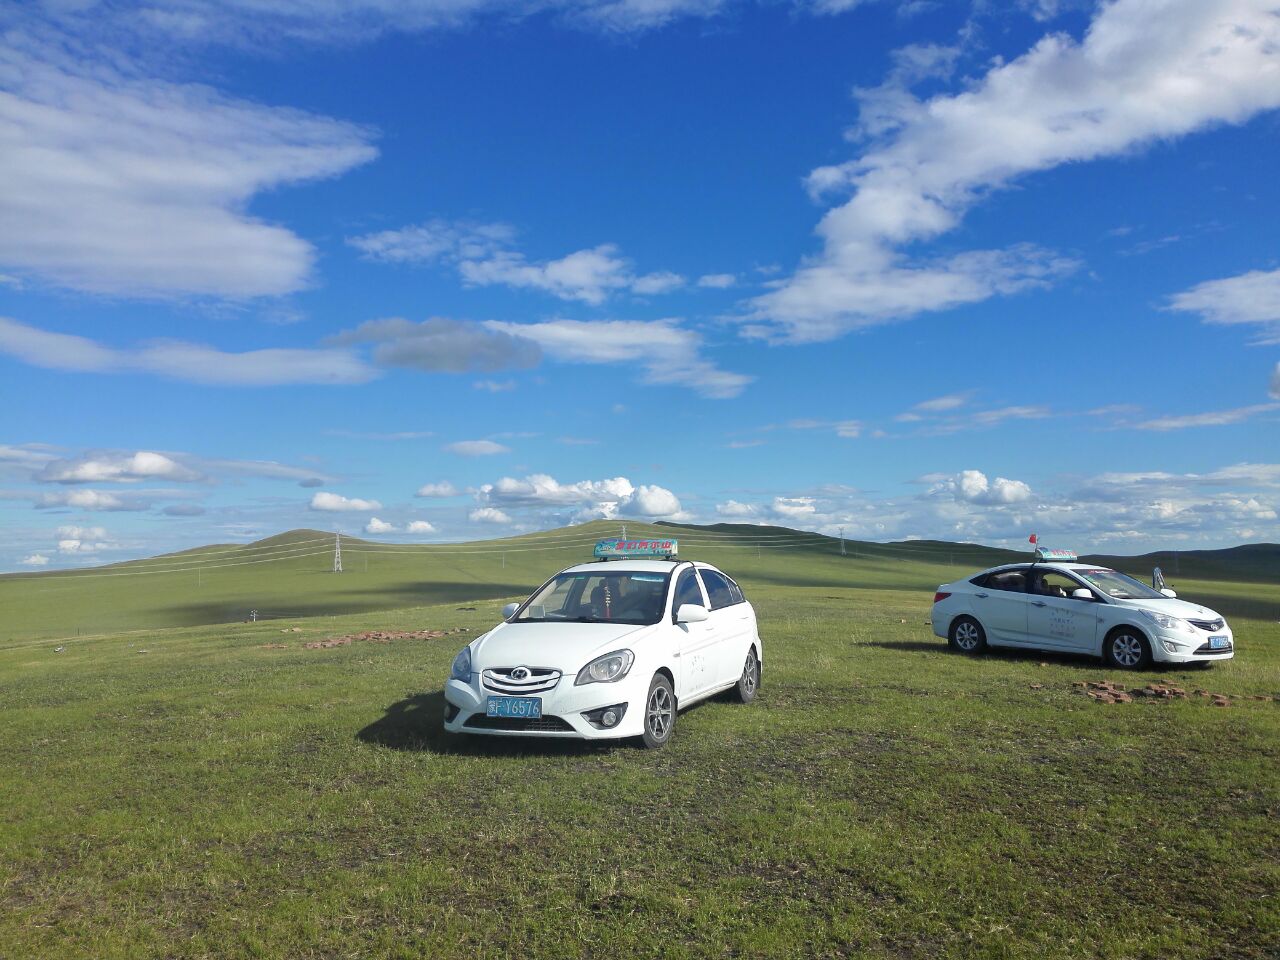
(520, 673)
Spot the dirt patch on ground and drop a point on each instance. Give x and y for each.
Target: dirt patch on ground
(380, 636)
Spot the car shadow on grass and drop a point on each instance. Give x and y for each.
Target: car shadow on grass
(416, 724)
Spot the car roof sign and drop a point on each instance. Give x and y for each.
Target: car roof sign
(1045, 553)
(636, 549)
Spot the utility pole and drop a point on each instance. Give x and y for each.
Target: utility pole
(337, 553)
(842, 553)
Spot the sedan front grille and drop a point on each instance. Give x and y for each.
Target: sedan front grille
(546, 724)
(529, 680)
(1209, 625)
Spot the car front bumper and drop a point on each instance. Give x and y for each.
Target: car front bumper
(1177, 647)
(562, 710)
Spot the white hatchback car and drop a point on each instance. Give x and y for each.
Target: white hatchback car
(609, 649)
(1057, 604)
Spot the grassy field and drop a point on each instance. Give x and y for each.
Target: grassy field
(207, 792)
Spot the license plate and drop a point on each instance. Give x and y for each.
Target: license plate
(1219, 643)
(529, 708)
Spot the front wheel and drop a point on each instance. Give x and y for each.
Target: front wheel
(1127, 649)
(967, 636)
(659, 713)
(749, 683)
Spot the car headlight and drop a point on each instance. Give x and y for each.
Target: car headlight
(607, 669)
(1166, 622)
(461, 669)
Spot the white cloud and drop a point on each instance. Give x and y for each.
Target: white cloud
(736, 510)
(35, 560)
(90, 500)
(115, 183)
(972, 486)
(334, 502)
(1216, 418)
(1275, 382)
(1249, 298)
(82, 533)
(179, 360)
(611, 497)
(420, 526)
(495, 386)
(668, 353)
(1145, 71)
(484, 255)
(650, 501)
(143, 465)
(442, 489)
(489, 515)
(378, 526)
(477, 448)
(69, 546)
(717, 281)
(939, 404)
(792, 508)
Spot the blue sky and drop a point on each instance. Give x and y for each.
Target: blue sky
(441, 270)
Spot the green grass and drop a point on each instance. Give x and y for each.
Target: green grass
(291, 576)
(212, 797)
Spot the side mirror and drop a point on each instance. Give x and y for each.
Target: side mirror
(691, 613)
(1081, 593)
(1168, 593)
(509, 610)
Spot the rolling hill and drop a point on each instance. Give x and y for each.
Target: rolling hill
(290, 575)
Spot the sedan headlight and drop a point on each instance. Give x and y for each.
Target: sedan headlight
(607, 669)
(1166, 622)
(461, 669)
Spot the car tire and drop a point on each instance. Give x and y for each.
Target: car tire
(659, 713)
(749, 682)
(967, 636)
(1127, 648)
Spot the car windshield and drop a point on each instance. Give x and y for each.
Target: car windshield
(622, 596)
(1117, 585)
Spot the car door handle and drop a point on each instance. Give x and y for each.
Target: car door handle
(1038, 603)
(981, 596)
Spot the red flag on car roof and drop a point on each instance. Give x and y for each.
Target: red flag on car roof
(1033, 539)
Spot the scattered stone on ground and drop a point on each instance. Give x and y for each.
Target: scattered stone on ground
(902, 619)
(144, 651)
(1044, 663)
(1037, 686)
(1105, 691)
(466, 608)
(58, 649)
(291, 630)
(275, 646)
(1162, 691)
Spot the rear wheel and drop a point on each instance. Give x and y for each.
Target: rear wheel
(749, 682)
(659, 713)
(967, 636)
(1127, 649)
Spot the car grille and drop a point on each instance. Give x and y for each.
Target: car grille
(539, 680)
(520, 724)
(1210, 625)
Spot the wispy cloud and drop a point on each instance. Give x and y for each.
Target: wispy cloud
(333, 502)
(477, 448)
(1215, 418)
(1250, 298)
(927, 162)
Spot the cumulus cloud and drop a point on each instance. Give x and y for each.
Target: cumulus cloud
(334, 502)
(442, 489)
(926, 162)
(441, 345)
(1251, 298)
(476, 448)
(180, 360)
(143, 465)
(489, 515)
(972, 486)
(420, 526)
(736, 510)
(484, 255)
(378, 526)
(35, 560)
(112, 182)
(82, 533)
(667, 353)
(793, 507)
(92, 500)
(611, 497)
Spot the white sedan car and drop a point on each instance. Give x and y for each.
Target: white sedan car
(609, 649)
(1078, 608)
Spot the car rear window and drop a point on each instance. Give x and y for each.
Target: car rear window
(718, 589)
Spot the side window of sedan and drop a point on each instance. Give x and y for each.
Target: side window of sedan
(687, 591)
(1052, 584)
(1014, 581)
(717, 589)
